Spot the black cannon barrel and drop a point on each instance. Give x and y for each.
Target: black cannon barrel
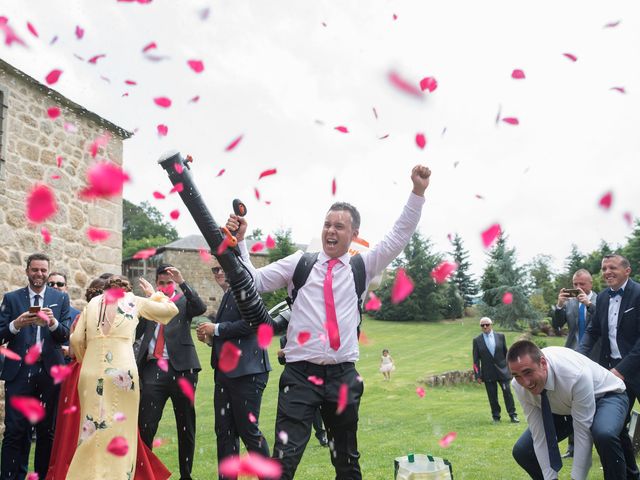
(249, 301)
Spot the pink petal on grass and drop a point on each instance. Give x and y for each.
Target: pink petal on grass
(233, 144)
(163, 102)
(79, 32)
(402, 287)
(33, 354)
(113, 295)
(104, 180)
(223, 246)
(628, 217)
(511, 120)
(606, 200)
(342, 129)
(428, 83)
(447, 439)
(420, 392)
(158, 196)
(196, 65)
(30, 407)
(53, 113)
(144, 253)
(612, 24)
(158, 442)
(443, 271)
(10, 354)
(250, 464)
(303, 337)
(490, 235)
(266, 173)
(317, 381)
(507, 298)
(53, 76)
(46, 235)
(229, 357)
(403, 85)
(205, 255)
(264, 334)
(571, 57)
(32, 29)
(221, 172)
(97, 235)
(177, 188)
(257, 247)
(343, 394)
(59, 373)
(270, 242)
(421, 140)
(187, 389)
(95, 58)
(41, 204)
(118, 446)
(518, 74)
(619, 89)
(374, 303)
(162, 130)
(174, 214)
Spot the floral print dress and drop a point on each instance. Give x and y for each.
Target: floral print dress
(108, 387)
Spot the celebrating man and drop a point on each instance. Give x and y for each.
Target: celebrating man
(323, 332)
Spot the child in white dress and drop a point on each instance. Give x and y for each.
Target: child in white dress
(386, 364)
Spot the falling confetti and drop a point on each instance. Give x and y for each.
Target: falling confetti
(606, 200)
(265, 335)
(428, 83)
(612, 24)
(619, 89)
(342, 129)
(229, 357)
(98, 142)
(46, 235)
(317, 381)
(32, 29)
(270, 242)
(10, 354)
(10, 35)
(177, 188)
(94, 60)
(97, 235)
(374, 303)
(233, 144)
(257, 247)
(402, 287)
(252, 464)
(196, 65)
(571, 57)
(266, 173)
(511, 120)
(41, 204)
(104, 180)
(158, 196)
(447, 439)
(518, 74)
(343, 394)
(118, 446)
(628, 217)
(303, 337)
(144, 253)
(79, 32)
(205, 255)
(187, 389)
(30, 407)
(490, 235)
(59, 373)
(174, 214)
(53, 76)
(421, 140)
(333, 187)
(443, 271)
(33, 353)
(53, 113)
(507, 298)
(162, 130)
(403, 85)
(163, 102)
(221, 172)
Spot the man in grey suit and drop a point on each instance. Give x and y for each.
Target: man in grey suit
(490, 367)
(576, 308)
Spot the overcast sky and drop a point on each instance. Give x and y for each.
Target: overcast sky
(284, 74)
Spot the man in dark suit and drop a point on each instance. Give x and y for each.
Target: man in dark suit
(167, 353)
(22, 328)
(617, 322)
(58, 281)
(490, 367)
(237, 393)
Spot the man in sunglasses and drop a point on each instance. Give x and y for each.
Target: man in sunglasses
(490, 367)
(58, 281)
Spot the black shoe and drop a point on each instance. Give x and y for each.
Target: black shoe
(324, 442)
(514, 419)
(568, 455)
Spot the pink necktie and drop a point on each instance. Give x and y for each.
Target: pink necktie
(330, 306)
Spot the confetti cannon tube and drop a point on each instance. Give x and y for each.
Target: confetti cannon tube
(249, 301)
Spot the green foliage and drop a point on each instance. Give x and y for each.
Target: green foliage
(454, 305)
(256, 234)
(284, 247)
(541, 277)
(428, 299)
(632, 251)
(143, 227)
(466, 285)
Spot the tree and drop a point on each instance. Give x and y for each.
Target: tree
(256, 234)
(573, 262)
(541, 279)
(502, 276)
(632, 251)
(466, 285)
(143, 227)
(593, 264)
(284, 247)
(428, 299)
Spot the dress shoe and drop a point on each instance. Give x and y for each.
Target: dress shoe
(567, 455)
(515, 420)
(324, 442)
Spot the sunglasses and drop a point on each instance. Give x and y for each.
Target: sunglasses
(216, 270)
(56, 284)
(485, 325)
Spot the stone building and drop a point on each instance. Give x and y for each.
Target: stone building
(31, 142)
(184, 254)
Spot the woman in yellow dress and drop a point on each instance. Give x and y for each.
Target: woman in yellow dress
(108, 388)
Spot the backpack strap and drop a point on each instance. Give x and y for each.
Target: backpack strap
(360, 281)
(301, 273)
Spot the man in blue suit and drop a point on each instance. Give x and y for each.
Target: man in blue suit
(21, 327)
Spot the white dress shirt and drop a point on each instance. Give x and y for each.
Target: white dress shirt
(32, 294)
(614, 310)
(308, 313)
(573, 384)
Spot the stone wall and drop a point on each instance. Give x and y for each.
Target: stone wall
(451, 378)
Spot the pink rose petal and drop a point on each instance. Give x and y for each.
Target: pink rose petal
(402, 287)
(374, 303)
(264, 334)
(205, 255)
(511, 120)
(158, 196)
(571, 57)
(44, 317)
(317, 381)
(30, 407)
(343, 394)
(10, 35)
(196, 65)
(252, 418)
(428, 83)
(97, 235)
(177, 188)
(10, 354)
(98, 142)
(33, 476)
(163, 364)
(104, 180)
(174, 214)
(32, 29)
(507, 298)
(46, 235)
(113, 295)
(178, 167)
(619, 89)
(158, 442)
(250, 464)
(628, 217)
(270, 243)
(333, 187)
(229, 357)
(144, 253)
(612, 24)
(266, 173)
(606, 200)
(95, 58)
(59, 373)
(53, 76)
(403, 85)
(420, 392)
(119, 417)
(518, 74)
(256, 192)
(233, 144)
(41, 204)
(118, 446)
(59, 160)
(447, 439)
(53, 113)
(70, 410)
(223, 246)
(395, 17)
(162, 130)
(443, 271)
(34, 352)
(490, 235)
(421, 141)
(342, 129)
(163, 102)
(303, 337)
(79, 32)
(194, 99)
(149, 46)
(187, 389)
(220, 173)
(257, 247)
(131, 82)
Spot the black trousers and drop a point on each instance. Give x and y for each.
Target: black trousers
(298, 401)
(627, 445)
(156, 388)
(492, 393)
(236, 402)
(31, 381)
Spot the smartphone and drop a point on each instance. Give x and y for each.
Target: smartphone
(573, 292)
(34, 309)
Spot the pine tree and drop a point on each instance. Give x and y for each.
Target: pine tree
(632, 251)
(466, 285)
(284, 247)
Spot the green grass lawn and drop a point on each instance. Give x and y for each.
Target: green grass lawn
(394, 421)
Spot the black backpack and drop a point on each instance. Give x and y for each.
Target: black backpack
(306, 263)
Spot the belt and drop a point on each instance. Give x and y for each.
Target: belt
(322, 369)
